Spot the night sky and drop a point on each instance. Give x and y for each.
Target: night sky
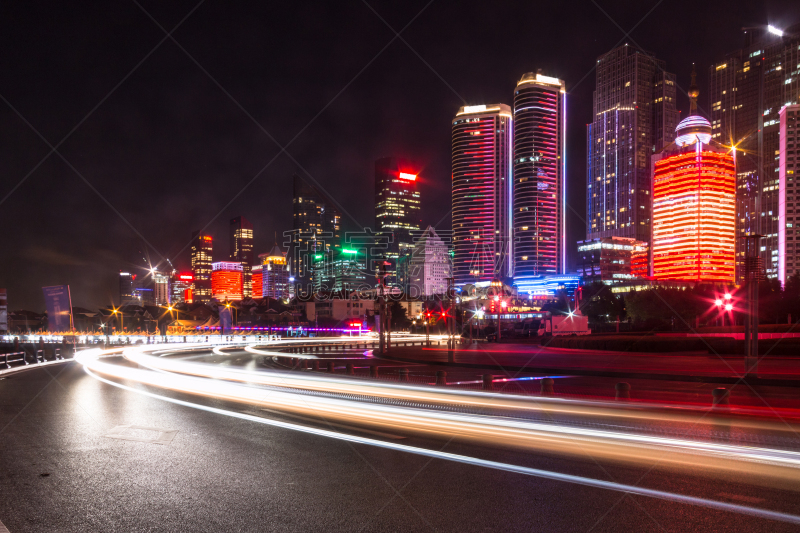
(170, 135)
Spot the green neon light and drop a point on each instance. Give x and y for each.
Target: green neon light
(346, 251)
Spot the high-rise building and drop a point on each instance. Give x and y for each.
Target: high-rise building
(429, 265)
(241, 239)
(747, 90)
(342, 271)
(181, 287)
(788, 251)
(397, 201)
(202, 251)
(316, 229)
(3, 312)
(612, 259)
(539, 229)
(161, 292)
(276, 282)
(482, 193)
(258, 281)
(694, 205)
(226, 280)
(126, 286)
(634, 116)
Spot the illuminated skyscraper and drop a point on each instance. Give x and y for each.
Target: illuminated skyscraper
(539, 189)
(634, 116)
(241, 239)
(226, 280)
(747, 90)
(202, 251)
(126, 296)
(316, 229)
(789, 170)
(275, 274)
(181, 287)
(258, 281)
(429, 266)
(694, 205)
(397, 202)
(160, 287)
(482, 197)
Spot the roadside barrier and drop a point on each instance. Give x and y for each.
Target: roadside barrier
(623, 391)
(15, 357)
(547, 387)
(720, 398)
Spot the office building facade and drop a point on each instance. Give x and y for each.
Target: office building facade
(634, 116)
(241, 241)
(789, 218)
(181, 287)
(747, 90)
(257, 281)
(612, 260)
(539, 165)
(202, 253)
(397, 200)
(429, 266)
(275, 275)
(126, 286)
(482, 137)
(226, 281)
(316, 229)
(161, 292)
(342, 271)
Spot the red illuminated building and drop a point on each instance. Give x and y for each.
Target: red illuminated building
(258, 281)
(694, 206)
(482, 202)
(226, 281)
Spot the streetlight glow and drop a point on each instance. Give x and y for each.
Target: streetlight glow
(728, 296)
(718, 302)
(728, 307)
(774, 31)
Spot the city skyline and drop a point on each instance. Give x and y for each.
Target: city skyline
(101, 244)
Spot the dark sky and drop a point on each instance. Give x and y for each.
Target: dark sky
(169, 149)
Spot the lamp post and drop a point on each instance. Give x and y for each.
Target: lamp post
(428, 329)
(497, 285)
(752, 277)
(448, 322)
(121, 318)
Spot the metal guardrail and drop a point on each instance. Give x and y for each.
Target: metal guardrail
(15, 357)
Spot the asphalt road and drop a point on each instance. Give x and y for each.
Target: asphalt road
(59, 471)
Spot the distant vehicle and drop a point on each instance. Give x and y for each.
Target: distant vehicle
(571, 324)
(527, 328)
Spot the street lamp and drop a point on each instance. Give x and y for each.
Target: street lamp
(116, 310)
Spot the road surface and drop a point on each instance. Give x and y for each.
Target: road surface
(76, 454)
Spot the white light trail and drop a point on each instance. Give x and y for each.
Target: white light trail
(590, 482)
(762, 465)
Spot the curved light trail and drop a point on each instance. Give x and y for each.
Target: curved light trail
(452, 397)
(88, 358)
